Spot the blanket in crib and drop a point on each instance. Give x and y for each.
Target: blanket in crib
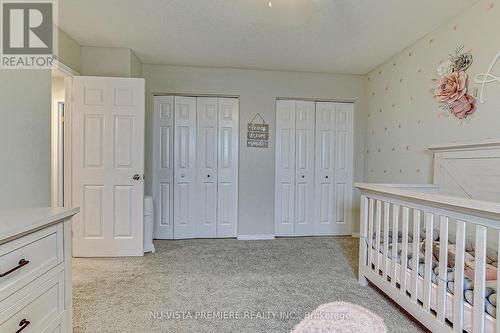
(491, 266)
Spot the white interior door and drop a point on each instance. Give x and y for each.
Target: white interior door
(163, 167)
(206, 161)
(227, 198)
(108, 166)
(343, 168)
(304, 168)
(325, 168)
(285, 168)
(185, 168)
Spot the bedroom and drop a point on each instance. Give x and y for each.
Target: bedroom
(245, 138)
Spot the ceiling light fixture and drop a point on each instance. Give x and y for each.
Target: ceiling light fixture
(270, 3)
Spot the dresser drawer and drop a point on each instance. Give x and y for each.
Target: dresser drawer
(36, 311)
(60, 325)
(27, 258)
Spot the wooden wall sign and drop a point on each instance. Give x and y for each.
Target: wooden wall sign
(258, 133)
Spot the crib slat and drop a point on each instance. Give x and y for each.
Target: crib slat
(404, 250)
(443, 271)
(386, 239)
(498, 288)
(378, 220)
(363, 230)
(416, 255)
(458, 293)
(394, 254)
(371, 204)
(429, 241)
(479, 279)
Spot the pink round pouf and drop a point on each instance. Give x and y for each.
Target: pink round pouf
(341, 317)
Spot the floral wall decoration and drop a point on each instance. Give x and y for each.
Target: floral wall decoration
(450, 89)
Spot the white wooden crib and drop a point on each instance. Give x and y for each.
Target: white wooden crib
(465, 176)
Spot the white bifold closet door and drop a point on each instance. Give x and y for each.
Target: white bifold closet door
(185, 167)
(313, 168)
(163, 167)
(344, 168)
(325, 169)
(227, 189)
(195, 173)
(207, 143)
(304, 168)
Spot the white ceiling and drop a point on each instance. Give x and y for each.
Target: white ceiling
(333, 36)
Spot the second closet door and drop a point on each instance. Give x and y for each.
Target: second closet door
(304, 168)
(314, 149)
(294, 168)
(325, 169)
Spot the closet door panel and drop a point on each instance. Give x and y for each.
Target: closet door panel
(185, 168)
(325, 168)
(285, 169)
(304, 168)
(206, 161)
(227, 189)
(343, 168)
(163, 167)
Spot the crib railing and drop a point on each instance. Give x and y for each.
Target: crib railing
(393, 219)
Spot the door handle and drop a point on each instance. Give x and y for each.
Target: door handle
(23, 324)
(136, 177)
(23, 262)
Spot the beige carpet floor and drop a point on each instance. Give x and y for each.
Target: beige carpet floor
(227, 285)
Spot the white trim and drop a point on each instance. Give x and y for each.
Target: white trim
(487, 143)
(355, 235)
(54, 160)
(68, 132)
(256, 237)
(486, 209)
(67, 71)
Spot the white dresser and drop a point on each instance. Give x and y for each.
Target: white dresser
(35, 270)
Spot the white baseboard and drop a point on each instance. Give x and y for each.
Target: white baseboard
(355, 234)
(150, 248)
(256, 237)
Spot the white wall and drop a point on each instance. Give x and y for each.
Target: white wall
(135, 65)
(402, 117)
(109, 61)
(25, 138)
(258, 91)
(68, 51)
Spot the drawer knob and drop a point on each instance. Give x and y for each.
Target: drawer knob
(22, 263)
(23, 324)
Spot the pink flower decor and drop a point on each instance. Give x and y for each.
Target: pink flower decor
(464, 106)
(451, 88)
